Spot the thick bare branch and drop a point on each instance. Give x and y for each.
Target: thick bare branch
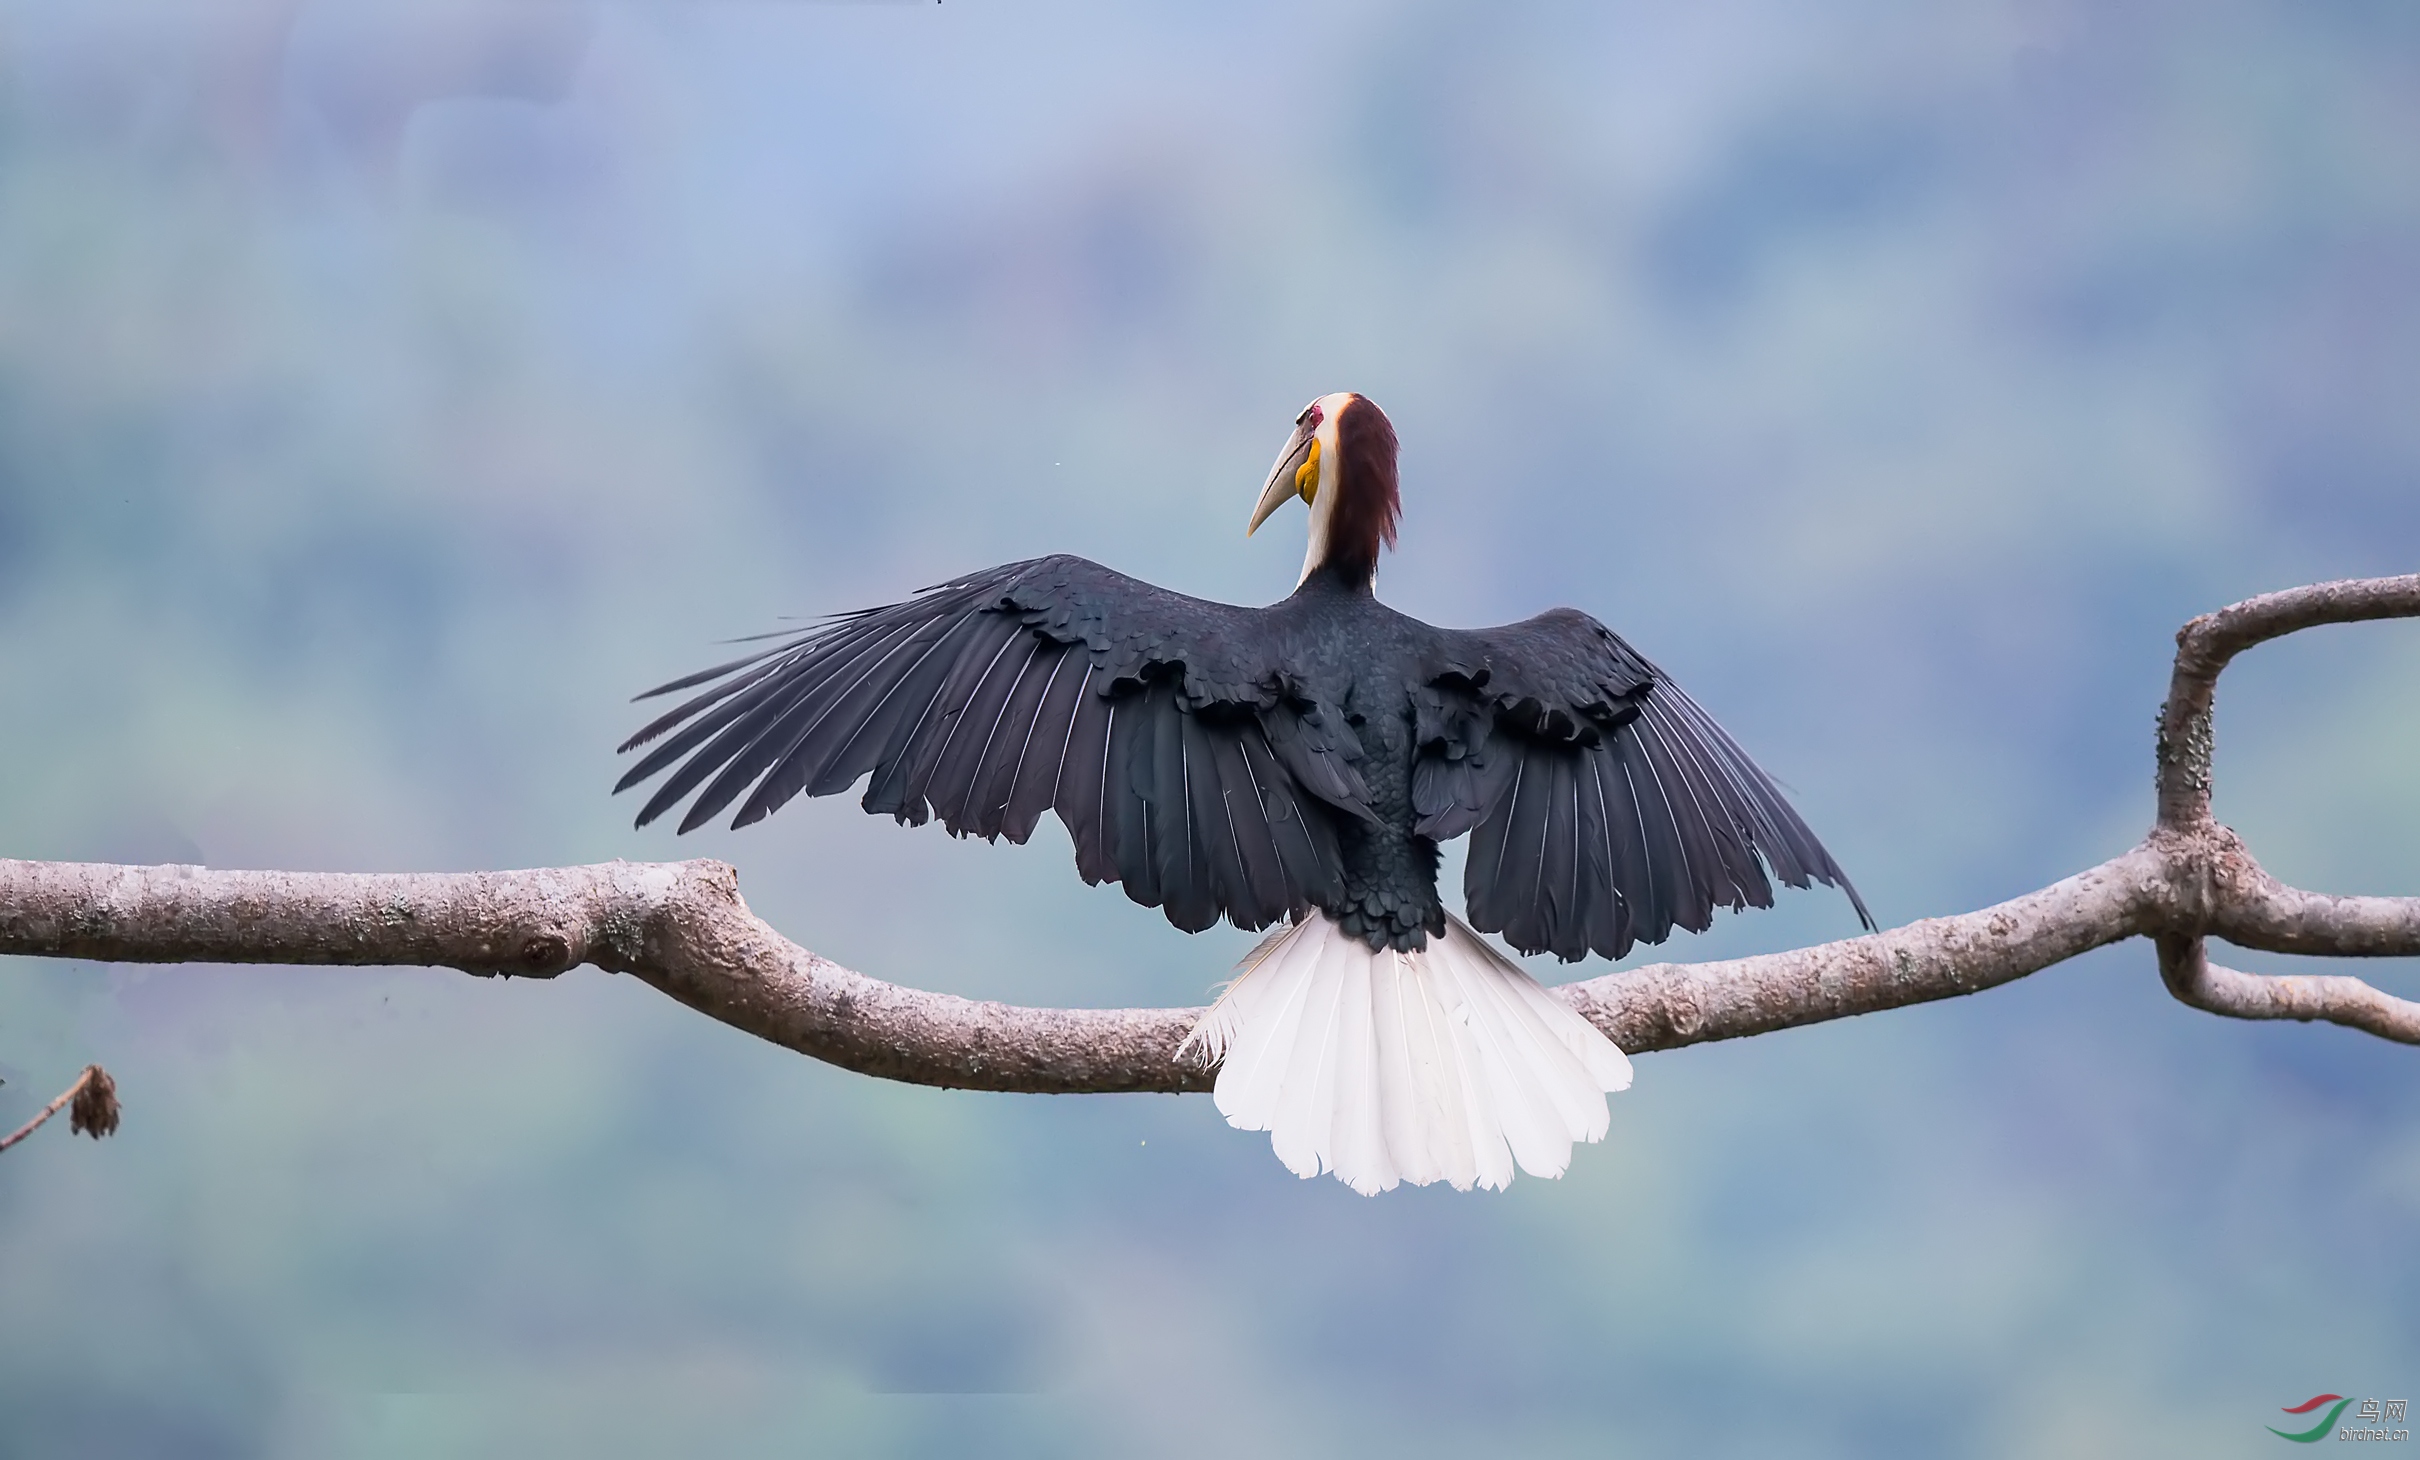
(680, 926)
(683, 928)
(2241, 902)
(2252, 909)
(2186, 968)
(2206, 645)
(1666, 1005)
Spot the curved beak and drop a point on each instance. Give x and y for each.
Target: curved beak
(1280, 486)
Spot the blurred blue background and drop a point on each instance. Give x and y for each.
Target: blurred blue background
(390, 388)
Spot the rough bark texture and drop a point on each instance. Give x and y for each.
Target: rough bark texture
(681, 926)
(684, 929)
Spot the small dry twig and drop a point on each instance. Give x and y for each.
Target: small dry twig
(95, 1098)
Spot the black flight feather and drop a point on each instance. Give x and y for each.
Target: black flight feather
(1209, 757)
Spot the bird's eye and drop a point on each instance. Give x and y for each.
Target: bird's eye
(1311, 415)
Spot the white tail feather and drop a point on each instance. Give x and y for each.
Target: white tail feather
(1449, 1064)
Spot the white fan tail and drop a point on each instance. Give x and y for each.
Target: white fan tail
(1449, 1064)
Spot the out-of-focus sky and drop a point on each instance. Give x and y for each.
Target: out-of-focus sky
(387, 390)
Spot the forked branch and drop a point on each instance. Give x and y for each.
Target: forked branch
(683, 928)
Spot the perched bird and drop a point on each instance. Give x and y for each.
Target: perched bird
(1297, 765)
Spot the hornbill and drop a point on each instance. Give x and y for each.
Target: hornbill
(1297, 765)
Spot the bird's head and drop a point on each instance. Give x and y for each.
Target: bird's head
(1340, 460)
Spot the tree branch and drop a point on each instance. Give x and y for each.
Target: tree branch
(2206, 645)
(683, 928)
(2240, 901)
(1667, 1005)
(2186, 968)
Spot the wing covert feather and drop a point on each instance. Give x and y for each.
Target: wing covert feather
(1604, 806)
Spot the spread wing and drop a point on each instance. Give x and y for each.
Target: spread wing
(1182, 764)
(1605, 806)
